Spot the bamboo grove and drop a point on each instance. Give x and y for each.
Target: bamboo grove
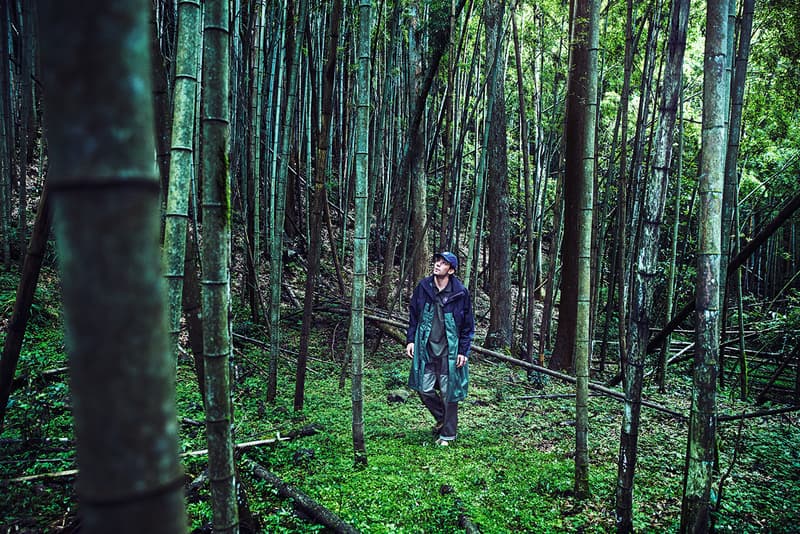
(617, 177)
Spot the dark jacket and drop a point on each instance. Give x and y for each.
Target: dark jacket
(459, 326)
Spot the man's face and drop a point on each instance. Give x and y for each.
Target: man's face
(441, 267)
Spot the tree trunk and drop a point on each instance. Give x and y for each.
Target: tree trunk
(252, 201)
(274, 119)
(731, 231)
(642, 306)
(622, 189)
(121, 374)
(421, 253)
(661, 369)
(420, 258)
(500, 330)
(279, 210)
(696, 506)
(26, 132)
(530, 271)
(192, 307)
(7, 132)
(494, 52)
(447, 120)
(583, 340)
(731, 183)
(319, 198)
(22, 303)
(160, 17)
(744, 372)
(637, 189)
(390, 246)
(578, 100)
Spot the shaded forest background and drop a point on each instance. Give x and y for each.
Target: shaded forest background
(311, 158)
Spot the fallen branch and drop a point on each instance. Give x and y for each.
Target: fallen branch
(192, 422)
(57, 474)
(621, 396)
(290, 292)
(396, 334)
(303, 502)
(544, 370)
(561, 396)
(571, 379)
(45, 376)
(237, 446)
(464, 520)
(766, 231)
(260, 343)
(11, 446)
(762, 413)
(193, 489)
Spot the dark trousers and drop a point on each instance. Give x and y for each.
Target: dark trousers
(445, 413)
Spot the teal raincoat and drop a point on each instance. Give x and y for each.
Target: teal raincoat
(459, 326)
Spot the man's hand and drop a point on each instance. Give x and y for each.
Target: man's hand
(461, 360)
(410, 350)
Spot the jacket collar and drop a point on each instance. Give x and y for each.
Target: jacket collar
(457, 287)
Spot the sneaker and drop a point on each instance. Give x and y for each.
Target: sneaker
(442, 443)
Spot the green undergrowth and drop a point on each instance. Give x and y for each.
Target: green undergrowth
(510, 470)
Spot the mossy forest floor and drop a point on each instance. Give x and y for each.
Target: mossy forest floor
(511, 469)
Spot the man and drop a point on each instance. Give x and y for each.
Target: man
(440, 331)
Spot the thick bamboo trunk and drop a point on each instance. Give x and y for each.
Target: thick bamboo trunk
(106, 217)
(730, 230)
(181, 164)
(215, 259)
(696, 505)
(581, 114)
(361, 232)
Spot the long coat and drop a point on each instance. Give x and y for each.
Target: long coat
(459, 327)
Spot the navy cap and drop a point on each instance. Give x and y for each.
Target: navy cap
(449, 257)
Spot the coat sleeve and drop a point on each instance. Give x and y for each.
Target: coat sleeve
(467, 331)
(413, 314)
